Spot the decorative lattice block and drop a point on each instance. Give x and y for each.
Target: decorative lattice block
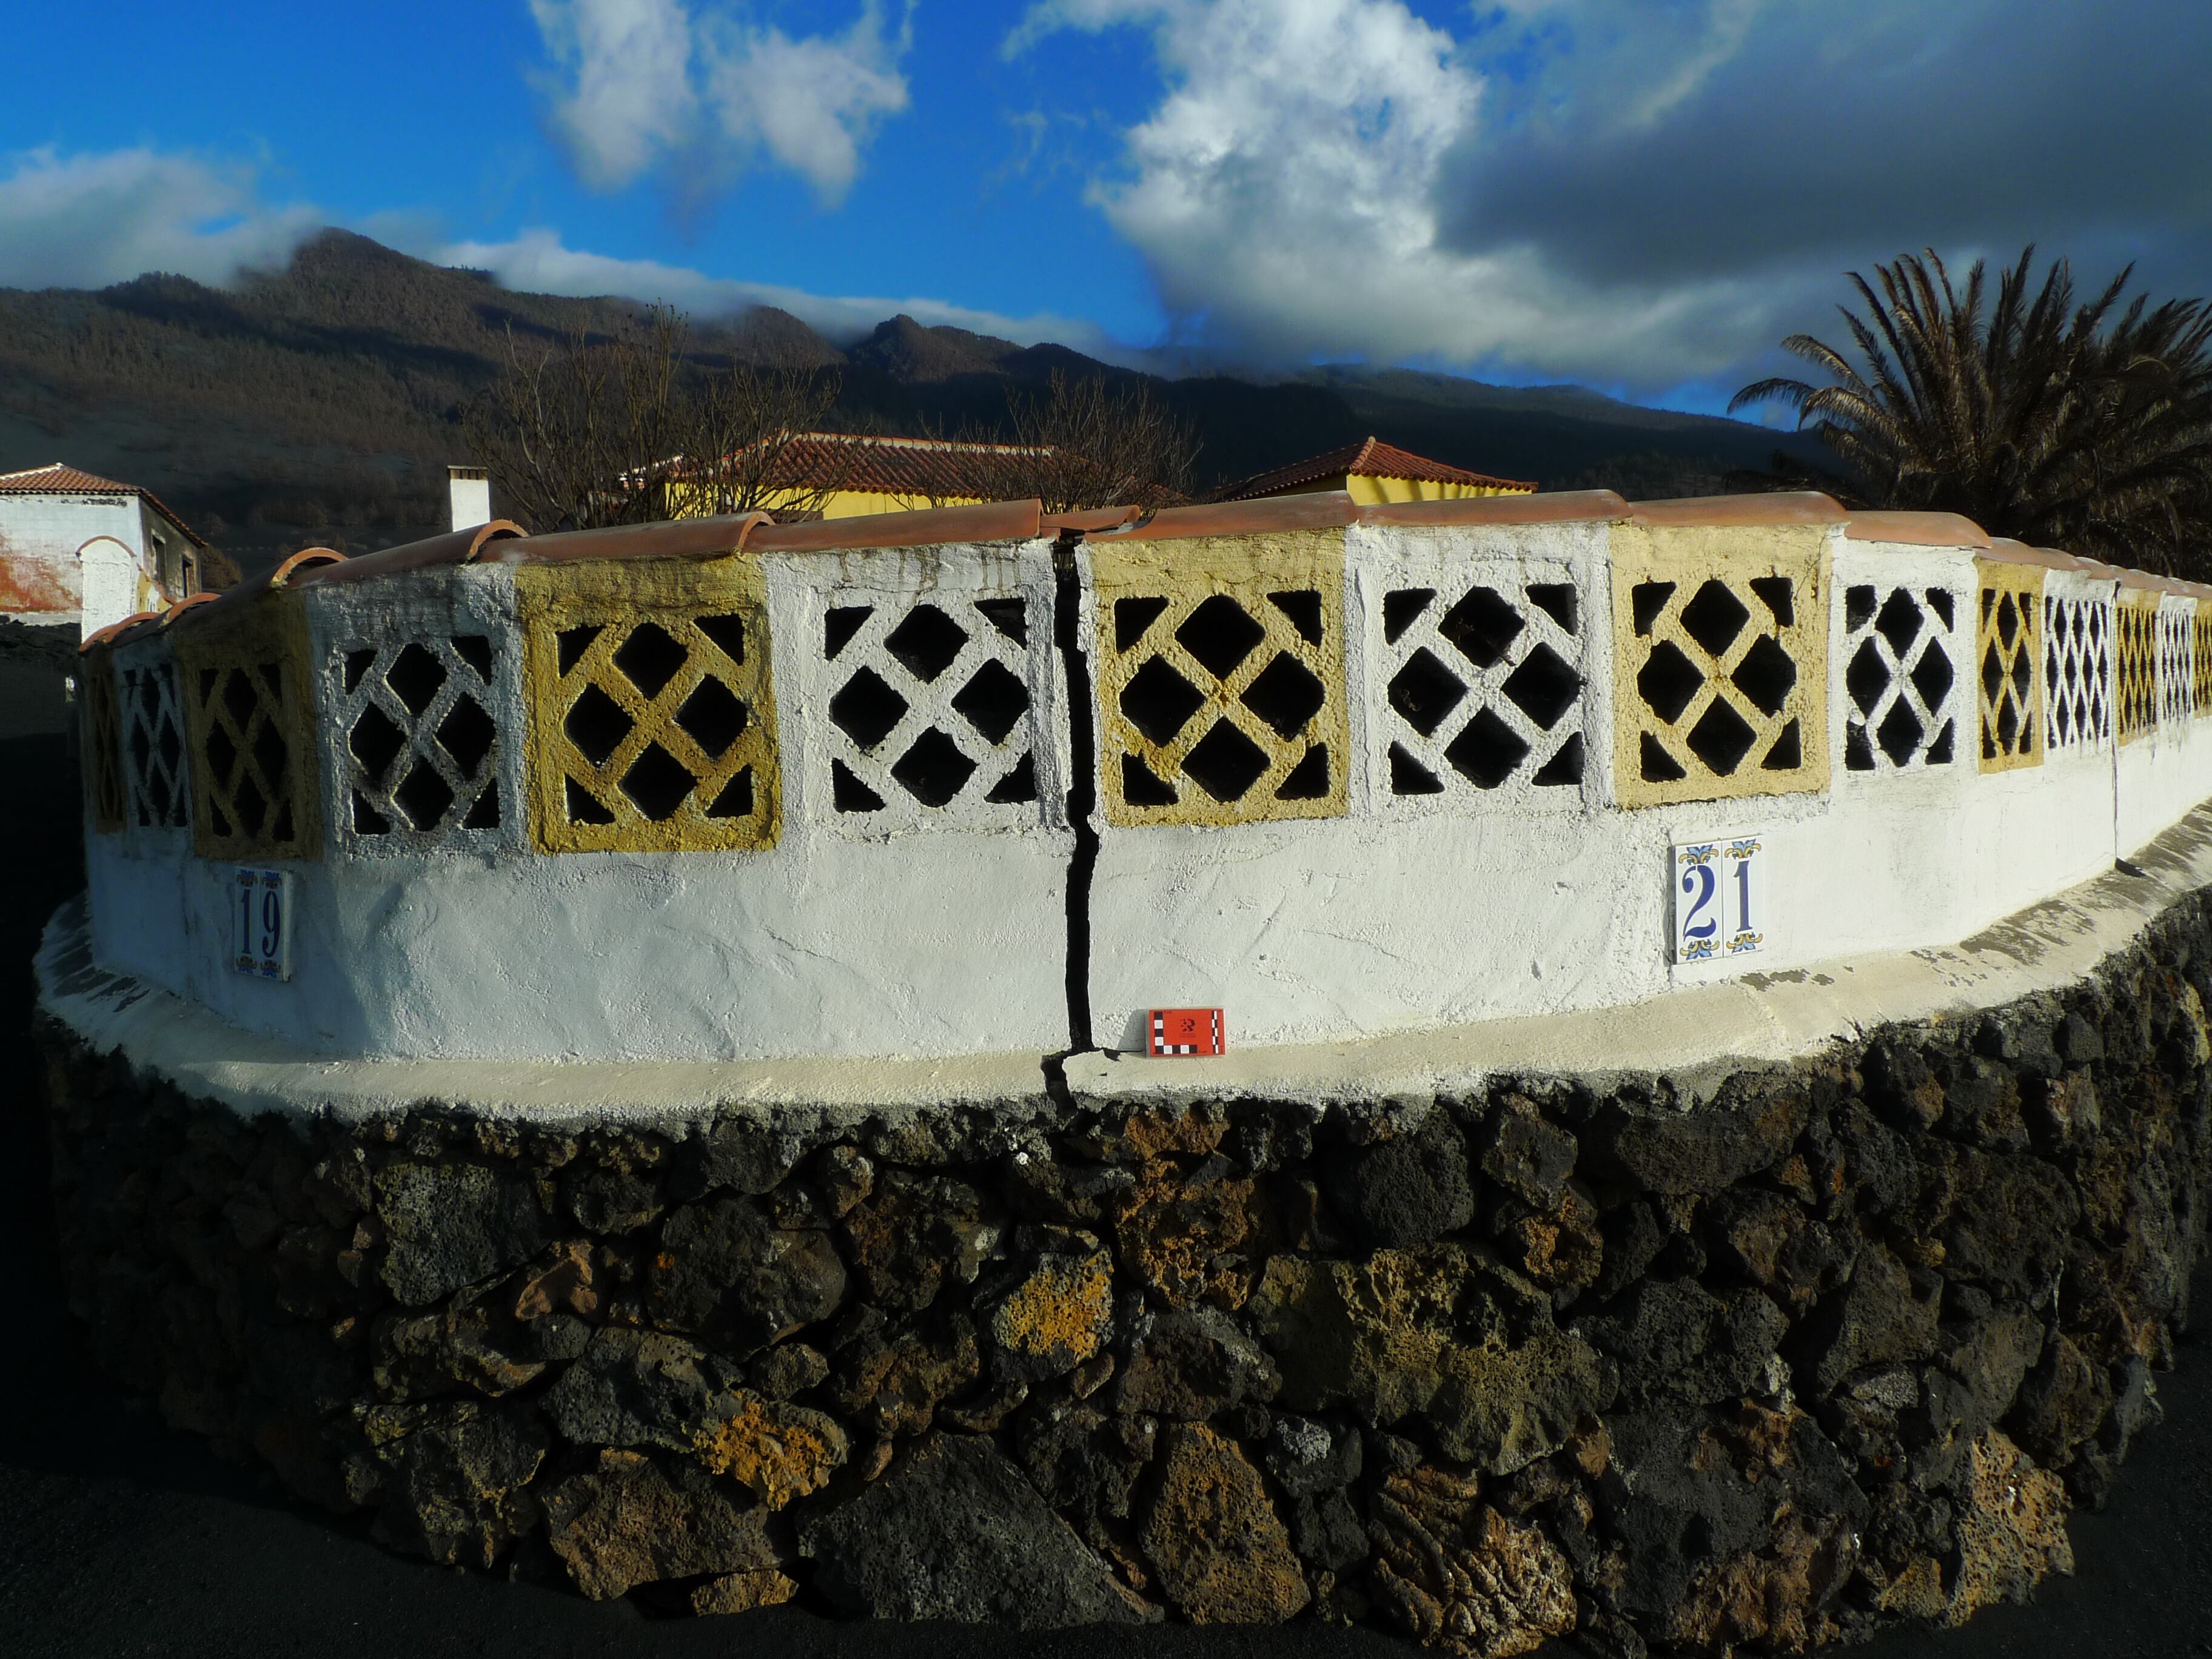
(2008, 665)
(154, 747)
(2135, 663)
(2200, 643)
(102, 738)
(249, 718)
(1481, 672)
(1902, 689)
(1721, 671)
(418, 752)
(2077, 670)
(651, 725)
(1221, 679)
(936, 704)
(2177, 677)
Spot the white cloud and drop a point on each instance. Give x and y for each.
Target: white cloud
(538, 262)
(701, 92)
(87, 220)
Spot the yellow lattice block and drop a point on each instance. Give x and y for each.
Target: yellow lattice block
(103, 741)
(2135, 663)
(250, 720)
(2200, 662)
(652, 726)
(2008, 664)
(1721, 662)
(1221, 678)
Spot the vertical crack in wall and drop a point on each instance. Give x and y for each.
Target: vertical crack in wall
(1082, 808)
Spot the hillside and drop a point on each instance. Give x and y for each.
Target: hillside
(323, 402)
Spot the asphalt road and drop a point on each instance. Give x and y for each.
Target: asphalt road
(118, 1537)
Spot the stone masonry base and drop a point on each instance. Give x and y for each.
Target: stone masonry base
(1840, 1346)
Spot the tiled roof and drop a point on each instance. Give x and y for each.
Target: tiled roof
(59, 478)
(1370, 458)
(923, 468)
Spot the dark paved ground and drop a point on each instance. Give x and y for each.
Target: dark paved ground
(119, 1538)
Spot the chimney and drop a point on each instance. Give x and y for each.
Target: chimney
(471, 491)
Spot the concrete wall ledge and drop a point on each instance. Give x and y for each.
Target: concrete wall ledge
(1693, 1037)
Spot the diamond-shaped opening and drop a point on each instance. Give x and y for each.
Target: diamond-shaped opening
(712, 717)
(1011, 616)
(270, 755)
(657, 783)
(467, 734)
(1899, 623)
(1646, 600)
(1939, 601)
(2008, 725)
(1425, 691)
(475, 649)
(1656, 765)
(1557, 601)
(1668, 681)
(1224, 762)
(2023, 674)
(221, 753)
(424, 796)
(357, 663)
(1159, 701)
(375, 741)
(1401, 608)
(1486, 751)
(238, 698)
(865, 708)
(727, 634)
(570, 646)
(1866, 677)
(994, 701)
(1786, 753)
(2008, 621)
(1566, 766)
(484, 813)
(252, 806)
(171, 746)
(1543, 687)
(366, 820)
(1131, 618)
(1766, 675)
(1309, 779)
(1939, 751)
(1482, 626)
(1721, 738)
(1714, 616)
(415, 677)
(926, 642)
(933, 769)
(1778, 595)
(839, 624)
(584, 807)
(1992, 673)
(1409, 777)
(1019, 784)
(650, 658)
(218, 820)
(1931, 675)
(1858, 607)
(282, 829)
(1220, 634)
(1858, 749)
(1302, 607)
(735, 800)
(596, 724)
(1900, 732)
(1286, 694)
(849, 793)
(1142, 787)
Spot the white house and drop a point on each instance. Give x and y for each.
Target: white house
(75, 548)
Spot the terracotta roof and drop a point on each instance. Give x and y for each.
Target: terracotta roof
(60, 478)
(926, 468)
(1369, 459)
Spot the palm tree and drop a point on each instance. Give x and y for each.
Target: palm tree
(2061, 424)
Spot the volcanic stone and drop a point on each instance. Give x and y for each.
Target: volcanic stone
(724, 1269)
(1222, 1554)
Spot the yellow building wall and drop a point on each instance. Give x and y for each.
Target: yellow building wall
(683, 502)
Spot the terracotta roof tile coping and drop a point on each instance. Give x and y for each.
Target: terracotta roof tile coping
(116, 630)
(1915, 529)
(670, 539)
(1779, 508)
(2005, 550)
(454, 547)
(1555, 506)
(247, 592)
(1328, 509)
(928, 527)
(1091, 520)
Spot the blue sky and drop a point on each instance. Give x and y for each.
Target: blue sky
(1640, 195)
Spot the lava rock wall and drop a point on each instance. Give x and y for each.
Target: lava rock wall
(1841, 1345)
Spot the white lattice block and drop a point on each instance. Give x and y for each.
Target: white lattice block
(2077, 663)
(2177, 670)
(928, 693)
(157, 760)
(418, 685)
(1902, 651)
(1481, 660)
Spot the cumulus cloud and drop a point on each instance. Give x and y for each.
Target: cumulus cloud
(538, 262)
(1639, 195)
(639, 85)
(85, 221)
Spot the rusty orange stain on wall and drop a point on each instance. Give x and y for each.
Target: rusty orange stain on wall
(33, 584)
